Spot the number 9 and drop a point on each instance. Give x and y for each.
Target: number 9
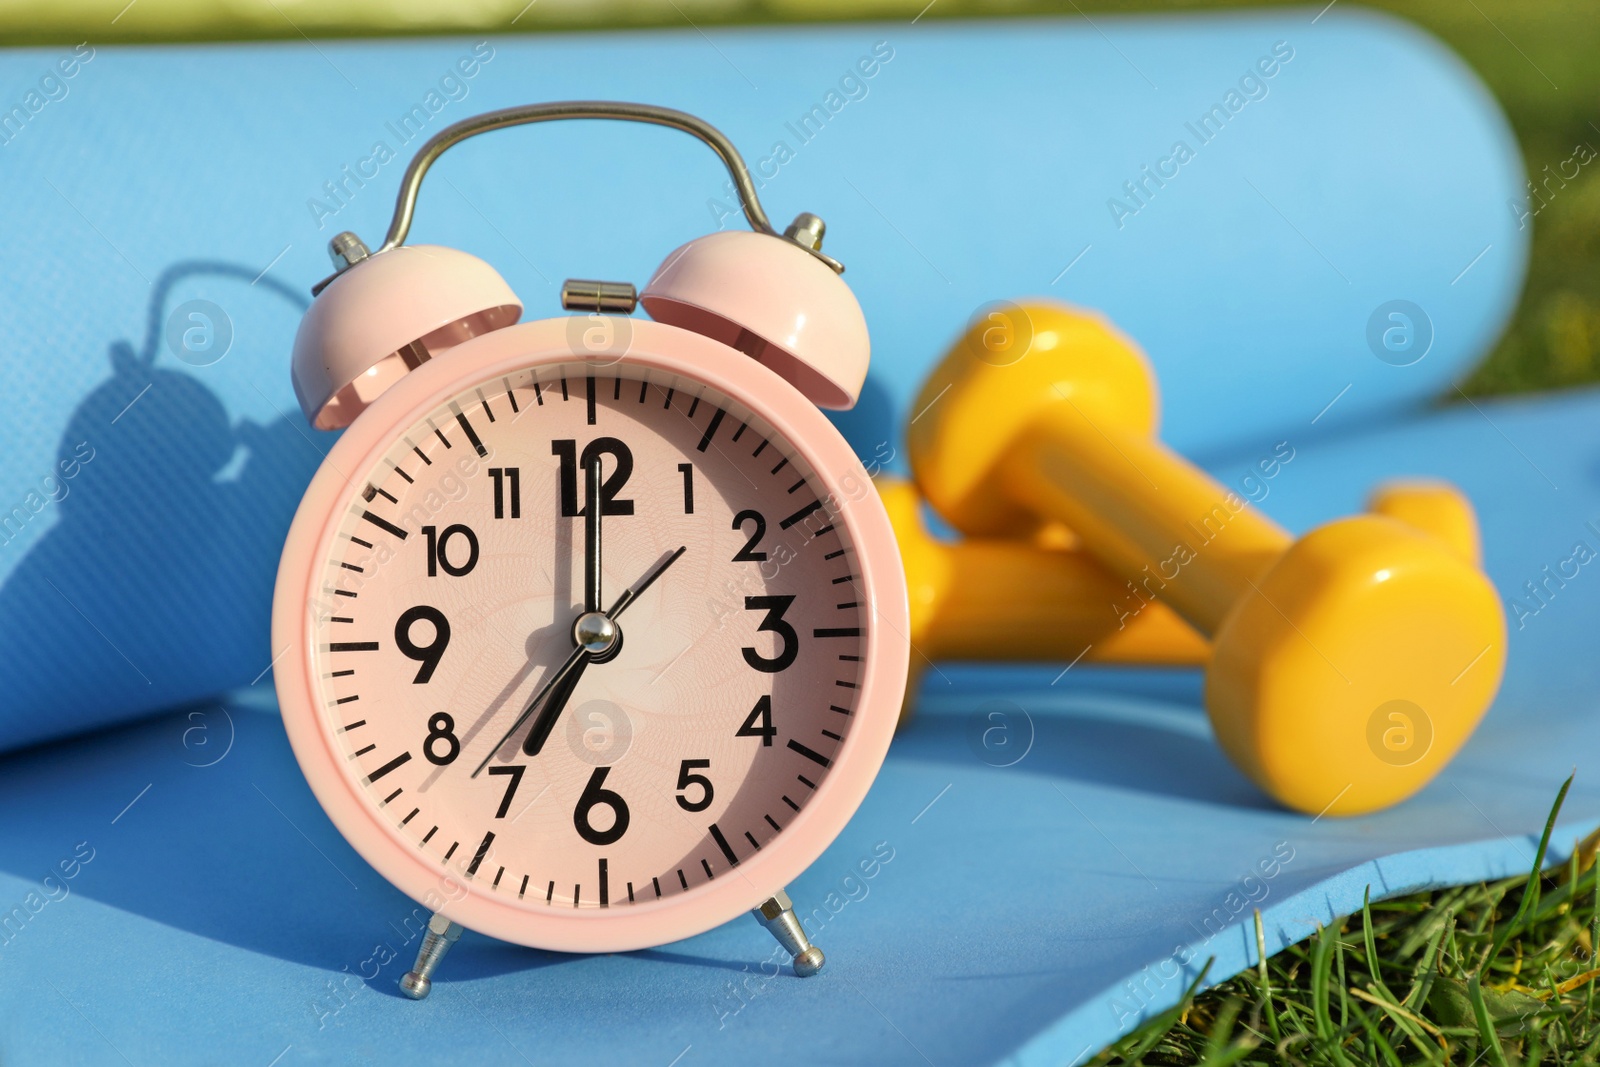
(428, 655)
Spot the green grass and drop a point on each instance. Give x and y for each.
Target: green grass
(1501, 974)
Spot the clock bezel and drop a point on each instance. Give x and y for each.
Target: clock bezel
(885, 644)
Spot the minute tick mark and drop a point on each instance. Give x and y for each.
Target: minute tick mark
(810, 754)
(384, 524)
(711, 430)
(799, 516)
(472, 435)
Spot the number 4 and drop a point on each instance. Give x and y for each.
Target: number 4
(759, 723)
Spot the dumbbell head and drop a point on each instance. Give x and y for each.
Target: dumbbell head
(1357, 666)
(1009, 367)
(1435, 506)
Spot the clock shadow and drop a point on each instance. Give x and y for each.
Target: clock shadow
(151, 587)
(163, 516)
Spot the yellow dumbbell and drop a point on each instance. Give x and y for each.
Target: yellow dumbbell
(1348, 667)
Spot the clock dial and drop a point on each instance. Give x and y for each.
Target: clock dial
(449, 589)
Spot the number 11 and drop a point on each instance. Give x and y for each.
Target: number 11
(501, 476)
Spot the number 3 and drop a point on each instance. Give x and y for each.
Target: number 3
(788, 640)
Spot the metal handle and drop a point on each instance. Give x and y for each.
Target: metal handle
(411, 183)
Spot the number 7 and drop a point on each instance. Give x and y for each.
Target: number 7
(511, 787)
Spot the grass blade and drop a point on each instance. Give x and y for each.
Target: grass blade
(1530, 892)
(1486, 1030)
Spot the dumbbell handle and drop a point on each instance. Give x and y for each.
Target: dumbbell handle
(1146, 512)
(1004, 600)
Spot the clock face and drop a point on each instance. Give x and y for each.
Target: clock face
(443, 595)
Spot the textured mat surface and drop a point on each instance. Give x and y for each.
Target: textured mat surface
(168, 207)
(972, 913)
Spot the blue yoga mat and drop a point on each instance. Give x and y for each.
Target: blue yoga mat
(972, 913)
(168, 207)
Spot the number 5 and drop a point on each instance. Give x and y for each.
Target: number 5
(686, 779)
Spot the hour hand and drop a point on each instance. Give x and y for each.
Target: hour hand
(573, 663)
(597, 638)
(560, 693)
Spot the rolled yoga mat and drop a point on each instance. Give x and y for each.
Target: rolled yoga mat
(1249, 196)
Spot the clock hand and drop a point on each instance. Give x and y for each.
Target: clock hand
(633, 593)
(591, 536)
(554, 705)
(578, 660)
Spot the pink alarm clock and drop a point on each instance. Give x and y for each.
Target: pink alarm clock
(596, 626)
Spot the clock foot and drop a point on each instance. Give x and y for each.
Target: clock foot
(776, 913)
(441, 934)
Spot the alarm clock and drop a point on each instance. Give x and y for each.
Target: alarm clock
(594, 627)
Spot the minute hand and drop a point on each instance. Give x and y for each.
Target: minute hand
(575, 663)
(633, 593)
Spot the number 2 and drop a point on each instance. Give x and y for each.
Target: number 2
(748, 553)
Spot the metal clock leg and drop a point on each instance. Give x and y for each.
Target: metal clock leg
(776, 913)
(442, 933)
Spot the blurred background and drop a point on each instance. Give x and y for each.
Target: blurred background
(1538, 58)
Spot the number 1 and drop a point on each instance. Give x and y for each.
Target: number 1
(688, 487)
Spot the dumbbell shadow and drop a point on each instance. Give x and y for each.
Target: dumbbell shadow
(1088, 729)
